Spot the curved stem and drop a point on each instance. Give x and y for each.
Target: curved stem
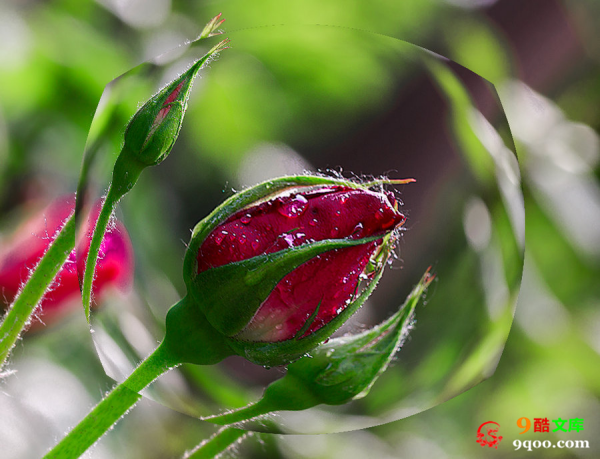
(218, 443)
(106, 211)
(113, 406)
(34, 289)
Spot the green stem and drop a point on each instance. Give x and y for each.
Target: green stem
(106, 211)
(34, 289)
(217, 444)
(113, 406)
(246, 413)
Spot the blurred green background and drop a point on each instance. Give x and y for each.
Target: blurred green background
(291, 96)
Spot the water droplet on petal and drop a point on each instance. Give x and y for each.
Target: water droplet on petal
(294, 208)
(313, 222)
(220, 236)
(246, 219)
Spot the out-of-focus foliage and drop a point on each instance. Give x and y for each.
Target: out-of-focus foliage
(56, 59)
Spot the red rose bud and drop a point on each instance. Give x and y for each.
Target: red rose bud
(22, 252)
(342, 370)
(275, 270)
(320, 288)
(153, 130)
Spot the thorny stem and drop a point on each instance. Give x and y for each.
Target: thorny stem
(218, 443)
(19, 314)
(113, 406)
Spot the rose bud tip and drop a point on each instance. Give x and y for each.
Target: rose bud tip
(211, 26)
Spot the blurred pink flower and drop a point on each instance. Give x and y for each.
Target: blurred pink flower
(20, 253)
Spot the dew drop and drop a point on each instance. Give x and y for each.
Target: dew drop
(246, 219)
(294, 208)
(313, 222)
(289, 239)
(219, 237)
(358, 229)
(255, 245)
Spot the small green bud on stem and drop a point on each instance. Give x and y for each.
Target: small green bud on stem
(153, 130)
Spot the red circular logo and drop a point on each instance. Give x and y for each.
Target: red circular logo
(486, 434)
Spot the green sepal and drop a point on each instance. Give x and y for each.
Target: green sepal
(337, 372)
(190, 338)
(230, 295)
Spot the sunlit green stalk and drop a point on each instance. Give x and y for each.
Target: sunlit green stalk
(19, 314)
(112, 407)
